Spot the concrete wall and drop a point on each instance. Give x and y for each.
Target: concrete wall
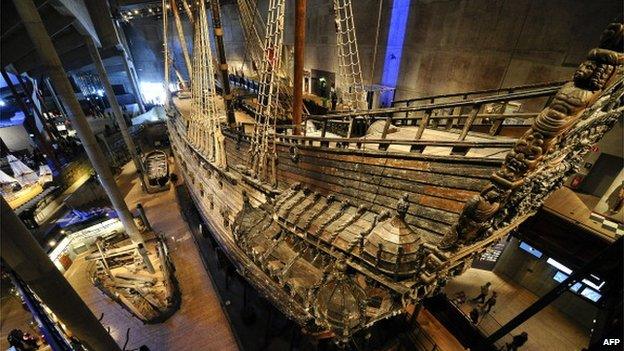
(536, 276)
(16, 138)
(145, 39)
(450, 45)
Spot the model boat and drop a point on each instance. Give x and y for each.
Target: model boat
(157, 168)
(371, 211)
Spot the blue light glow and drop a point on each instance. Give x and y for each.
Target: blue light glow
(530, 249)
(394, 45)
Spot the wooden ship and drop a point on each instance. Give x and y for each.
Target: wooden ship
(356, 216)
(125, 272)
(156, 165)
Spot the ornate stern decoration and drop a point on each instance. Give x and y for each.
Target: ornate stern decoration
(581, 112)
(392, 246)
(340, 303)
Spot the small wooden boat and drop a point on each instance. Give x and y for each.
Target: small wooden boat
(156, 168)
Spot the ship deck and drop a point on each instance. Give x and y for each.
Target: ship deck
(395, 133)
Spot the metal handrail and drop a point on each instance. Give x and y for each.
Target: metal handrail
(434, 106)
(478, 92)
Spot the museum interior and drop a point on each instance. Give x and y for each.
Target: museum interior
(370, 175)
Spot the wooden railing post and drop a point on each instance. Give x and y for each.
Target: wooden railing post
(423, 124)
(496, 125)
(386, 127)
(407, 104)
(450, 120)
(350, 129)
(469, 121)
(324, 131)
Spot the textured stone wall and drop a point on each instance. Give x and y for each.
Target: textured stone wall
(450, 45)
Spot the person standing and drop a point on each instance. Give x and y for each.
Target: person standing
(485, 289)
(518, 341)
(334, 99)
(474, 315)
(489, 303)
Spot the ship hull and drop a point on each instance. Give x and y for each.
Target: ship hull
(436, 188)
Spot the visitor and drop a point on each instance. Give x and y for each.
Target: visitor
(485, 289)
(518, 341)
(489, 303)
(474, 315)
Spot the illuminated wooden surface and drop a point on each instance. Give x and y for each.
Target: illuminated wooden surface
(200, 324)
(24, 195)
(576, 208)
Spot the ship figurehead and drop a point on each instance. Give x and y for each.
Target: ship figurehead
(580, 113)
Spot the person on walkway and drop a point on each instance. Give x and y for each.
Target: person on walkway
(474, 315)
(489, 303)
(518, 341)
(485, 289)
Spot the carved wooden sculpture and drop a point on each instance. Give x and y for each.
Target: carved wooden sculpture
(543, 147)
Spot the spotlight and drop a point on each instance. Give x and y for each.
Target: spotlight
(52, 243)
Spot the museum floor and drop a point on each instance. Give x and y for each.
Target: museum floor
(200, 323)
(550, 329)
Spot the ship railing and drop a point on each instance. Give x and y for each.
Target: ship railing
(484, 117)
(471, 94)
(455, 148)
(458, 120)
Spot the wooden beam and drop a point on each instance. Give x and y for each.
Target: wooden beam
(300, 21)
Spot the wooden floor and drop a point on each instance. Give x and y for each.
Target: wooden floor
(440, 336)
(549, 330)
(577, 207)
(200, 324)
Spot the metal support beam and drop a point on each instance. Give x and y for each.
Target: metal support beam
(143, 216)
(133, 80)
(223, 66)
(43, 44)
(611, 256)
(300, 17)
(112, 99)
(180, 31)
(27, 259)
(165, 18)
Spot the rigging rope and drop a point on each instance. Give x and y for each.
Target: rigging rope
(349, 68)
(204, 128)
(253, 30)
(268, 109)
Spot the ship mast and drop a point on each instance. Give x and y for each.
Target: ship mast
(300, 12)
(223, 66)
(166, 50)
